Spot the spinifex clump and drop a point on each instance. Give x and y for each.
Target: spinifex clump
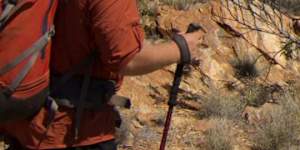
(245, 68)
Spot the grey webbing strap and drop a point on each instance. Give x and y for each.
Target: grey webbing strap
(36, 47)
(9, 5)
(16, 82)
(87, 62)
(80, 105)
(115, 100)
(52, 108)
(64, 102)
(33, 51)
(183, 47)
(120, 101)
(11, 8)
(8, 8)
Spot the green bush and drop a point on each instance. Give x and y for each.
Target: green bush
(256, 94)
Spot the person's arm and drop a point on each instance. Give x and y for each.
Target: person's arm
(154, 57)
(119, 36)
(151, 58)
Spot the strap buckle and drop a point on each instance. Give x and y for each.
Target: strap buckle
(51, 32)
(51, 104)
(52, 108)
(7, 91)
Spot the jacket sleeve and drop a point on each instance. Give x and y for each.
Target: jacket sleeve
(117, 31)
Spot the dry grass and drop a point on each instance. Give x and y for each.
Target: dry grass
(245, 68)
(277, 128)
(219, 137)
(181, 4)
(280, 128)
(222, 106)
(148, 11)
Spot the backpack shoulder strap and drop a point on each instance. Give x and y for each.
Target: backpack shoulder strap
(36, 47)
(11, 7)
(31, 52)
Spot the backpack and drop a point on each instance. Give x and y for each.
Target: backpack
(26, 27)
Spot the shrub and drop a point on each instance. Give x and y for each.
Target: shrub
(222, 106)
(256, 94)
(219, 137)
(148, 11)
(181, 4)
(291, 49)
(245, 68)
(280, 127)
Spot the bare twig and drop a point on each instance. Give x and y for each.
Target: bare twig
(263, 12)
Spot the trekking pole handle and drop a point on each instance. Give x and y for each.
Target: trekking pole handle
(185, 59)
(195, 27)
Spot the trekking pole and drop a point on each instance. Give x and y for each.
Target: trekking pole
(185, 54)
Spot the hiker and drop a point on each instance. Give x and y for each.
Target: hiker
(100, 41)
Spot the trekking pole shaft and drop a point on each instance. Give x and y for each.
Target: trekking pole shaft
(172, 102)
(166, 128)
(176, 84)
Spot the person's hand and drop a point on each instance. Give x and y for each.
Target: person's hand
(194, 40)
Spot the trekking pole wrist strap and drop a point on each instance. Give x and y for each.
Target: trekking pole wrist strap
(185, 55)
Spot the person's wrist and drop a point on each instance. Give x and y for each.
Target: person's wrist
(182, 44)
